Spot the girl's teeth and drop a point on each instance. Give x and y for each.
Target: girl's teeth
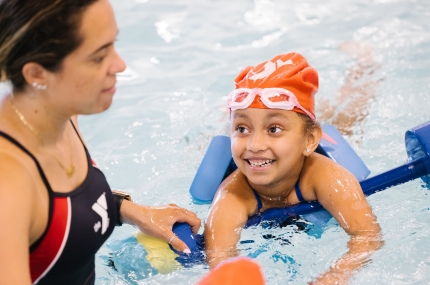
(261, 162)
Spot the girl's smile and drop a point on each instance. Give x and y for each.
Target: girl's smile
(260, 163)
(256, 164)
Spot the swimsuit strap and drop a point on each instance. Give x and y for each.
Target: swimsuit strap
(298, 191)
(76, 130)
(259, 204)
(296, 187)
(39, 168)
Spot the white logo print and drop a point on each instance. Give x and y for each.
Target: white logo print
(269, 68)
(100, 207)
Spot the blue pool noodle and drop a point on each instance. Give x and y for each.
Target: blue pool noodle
(215, 166)
(183, 231)
(417, 141)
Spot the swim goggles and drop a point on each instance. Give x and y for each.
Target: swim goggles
(273, 98)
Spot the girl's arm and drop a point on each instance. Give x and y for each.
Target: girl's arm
(339, 193)
(226, 218)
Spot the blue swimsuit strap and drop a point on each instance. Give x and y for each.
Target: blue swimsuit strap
(257, 197)
(296, 187)
(298, 191)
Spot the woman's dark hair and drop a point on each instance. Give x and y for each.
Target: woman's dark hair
(41, 31)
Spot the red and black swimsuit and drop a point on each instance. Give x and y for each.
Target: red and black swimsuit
(79, 223)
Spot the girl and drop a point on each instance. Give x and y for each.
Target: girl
(274, 134)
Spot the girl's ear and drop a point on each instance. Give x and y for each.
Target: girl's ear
(313, 140)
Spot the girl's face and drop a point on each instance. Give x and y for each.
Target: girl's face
(268, 145)
(86, 82)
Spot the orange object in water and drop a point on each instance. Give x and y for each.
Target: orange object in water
(236, 271)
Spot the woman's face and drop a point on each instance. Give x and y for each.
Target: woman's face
(268, 145)
(86, 82)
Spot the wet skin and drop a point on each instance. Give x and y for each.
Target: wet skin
(270, 149)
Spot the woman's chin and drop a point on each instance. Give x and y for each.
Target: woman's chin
(97, 109)
(104, 104)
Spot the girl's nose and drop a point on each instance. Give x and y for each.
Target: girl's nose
(257, 142)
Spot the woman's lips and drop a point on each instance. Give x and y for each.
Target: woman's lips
(110, 90)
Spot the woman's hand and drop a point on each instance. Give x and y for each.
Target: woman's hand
(158, 221)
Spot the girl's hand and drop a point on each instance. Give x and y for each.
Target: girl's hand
(330, 278)
(158, 221)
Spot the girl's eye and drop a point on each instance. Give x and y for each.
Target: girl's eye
(274, 129)
(241, 129)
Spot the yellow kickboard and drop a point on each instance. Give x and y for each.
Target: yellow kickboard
(160, 256)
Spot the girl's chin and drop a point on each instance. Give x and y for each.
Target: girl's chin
(260, 181)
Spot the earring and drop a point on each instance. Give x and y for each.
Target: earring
(308, 150)
(39, 86)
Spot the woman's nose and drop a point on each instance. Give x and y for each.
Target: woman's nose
(118, 64)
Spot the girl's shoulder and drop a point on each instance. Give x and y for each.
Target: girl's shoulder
(320, 164)
(235, 189)
(319, 173)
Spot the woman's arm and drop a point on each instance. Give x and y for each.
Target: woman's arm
(340, 194)
(156, 221)
(16, 211)
(226, 218)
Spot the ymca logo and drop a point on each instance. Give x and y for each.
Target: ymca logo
(269, 68)
(100, 207)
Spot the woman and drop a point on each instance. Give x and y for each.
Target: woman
(56, 208)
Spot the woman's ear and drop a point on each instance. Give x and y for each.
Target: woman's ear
(34, 74)
(313, 140)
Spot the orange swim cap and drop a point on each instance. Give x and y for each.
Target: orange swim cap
(290, 71)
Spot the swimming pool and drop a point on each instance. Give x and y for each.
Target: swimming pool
(182, 58)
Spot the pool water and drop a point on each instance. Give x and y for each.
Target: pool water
(182, 59)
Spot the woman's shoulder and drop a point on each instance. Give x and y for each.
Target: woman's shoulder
(17, 169)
